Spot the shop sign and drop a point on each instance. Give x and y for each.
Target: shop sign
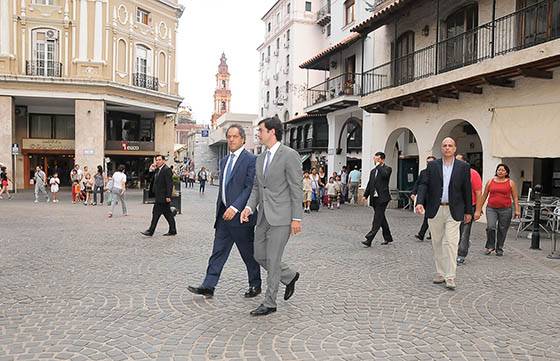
(15, 149)
(129, 146)
(48, 144)
(89, 151)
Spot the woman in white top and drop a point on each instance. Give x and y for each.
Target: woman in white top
(117, 190)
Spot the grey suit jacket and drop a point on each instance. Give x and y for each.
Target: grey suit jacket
(279, 195)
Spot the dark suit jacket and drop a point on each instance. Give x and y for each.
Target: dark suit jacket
(421, 176)
(238, 188)
(162, 184)
(431, 188)
(379, 184)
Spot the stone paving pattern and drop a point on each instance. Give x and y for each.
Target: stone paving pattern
(75, 285)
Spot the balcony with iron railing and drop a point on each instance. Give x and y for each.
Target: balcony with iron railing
(527, 27)
(324, 14)
(340, 92)
(145, 81)
(43, 68)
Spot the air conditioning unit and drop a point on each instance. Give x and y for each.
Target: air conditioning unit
(266, 81)
(267, 59)
(276, 52)
(275, 76)
(286, 45)
(51, 34)
(286, 70)
(284, 97)
(265, 105)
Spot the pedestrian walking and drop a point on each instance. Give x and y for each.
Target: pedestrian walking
(238, 173)
(307, 192)
(162, 186)
(332, 190)
(202, 178)
(191, 178)
(500, 192)
(377, 190)
(355, 177)
(344, 184)
(55, 184)
(118, 190)
(98, 185)
(424, 228)
(323, 178)
(4, 182)
(445, 196)
(278, 193)
(40, 180)
(465, 228)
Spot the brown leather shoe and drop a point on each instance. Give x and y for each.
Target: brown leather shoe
(450, 284)
(439, 279)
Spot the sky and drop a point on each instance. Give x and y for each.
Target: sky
(208, 28)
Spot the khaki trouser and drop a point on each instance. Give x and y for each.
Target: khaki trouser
(445, 241)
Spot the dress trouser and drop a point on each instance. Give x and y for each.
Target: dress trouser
(270, 242)
(423, 228)
(379, 221)
(499, 220)
(465, 239)
(117, 196)
(445, 241)
(157, 211)
(225, 236)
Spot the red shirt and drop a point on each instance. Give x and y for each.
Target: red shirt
(476, 184)
(499, 194)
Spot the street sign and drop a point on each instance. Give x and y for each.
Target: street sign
(15, 149)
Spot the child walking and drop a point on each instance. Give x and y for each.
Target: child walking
(55, 184)
(332, 191)
(307, 190)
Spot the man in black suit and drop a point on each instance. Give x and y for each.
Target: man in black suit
(162, 186)
(377, 191)
(444, 195)
(237, 172)
(414, 192)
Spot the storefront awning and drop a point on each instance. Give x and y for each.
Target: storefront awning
(321, 60)
(526, 131)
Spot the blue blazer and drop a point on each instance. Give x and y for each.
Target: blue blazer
(238, 188)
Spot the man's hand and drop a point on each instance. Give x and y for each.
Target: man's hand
(229, 214)
(244, 216)
(420, 209)
(167, 200)
(468, 218)
(296, 227)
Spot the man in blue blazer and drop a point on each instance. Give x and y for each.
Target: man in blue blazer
(237, 174)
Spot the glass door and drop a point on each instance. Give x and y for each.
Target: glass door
(461, 44)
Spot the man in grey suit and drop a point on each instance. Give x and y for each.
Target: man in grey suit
(278, 195)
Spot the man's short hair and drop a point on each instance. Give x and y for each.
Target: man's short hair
(121, 168)
(241, 131)
(461, 156)
(380, 155)
(159, 155)
(430, 157)
(273, 123)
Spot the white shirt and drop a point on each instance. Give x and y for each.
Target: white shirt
(272, 151)
(119, 179)
(447, 170)
(223, 183)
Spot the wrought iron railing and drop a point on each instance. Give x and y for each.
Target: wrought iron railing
(43, 68)
(524, 28)
(343, 84)
(145, 81)
(324, 12)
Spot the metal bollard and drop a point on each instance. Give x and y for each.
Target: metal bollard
(536, 235)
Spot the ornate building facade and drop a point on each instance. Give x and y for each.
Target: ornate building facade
(87, 81)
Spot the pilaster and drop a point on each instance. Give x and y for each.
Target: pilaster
(90, 132)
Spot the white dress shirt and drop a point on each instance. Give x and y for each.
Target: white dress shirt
(272, 151)
(447, 170)
(223, 183)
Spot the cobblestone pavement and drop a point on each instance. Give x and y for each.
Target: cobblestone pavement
(75, 285)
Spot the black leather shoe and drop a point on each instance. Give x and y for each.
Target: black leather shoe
(206, 292)
(253, 292)
(419, 237)
(147, 233)
(170, 233)
(384, 243)
(291, 287)
(262, 310)
(366, 243)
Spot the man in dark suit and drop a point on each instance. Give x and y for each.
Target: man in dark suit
(237, 172)
(444, 195)
(377, 191)
(162, 186)
(413, 193)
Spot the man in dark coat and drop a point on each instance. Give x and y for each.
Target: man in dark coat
(162, 186)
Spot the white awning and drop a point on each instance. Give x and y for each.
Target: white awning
(531, 131)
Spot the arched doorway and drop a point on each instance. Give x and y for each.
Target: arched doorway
(467, 139)
(350, 139)
(401, 152)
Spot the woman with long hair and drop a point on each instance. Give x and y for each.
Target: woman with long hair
(500, 191)
(4, 182)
